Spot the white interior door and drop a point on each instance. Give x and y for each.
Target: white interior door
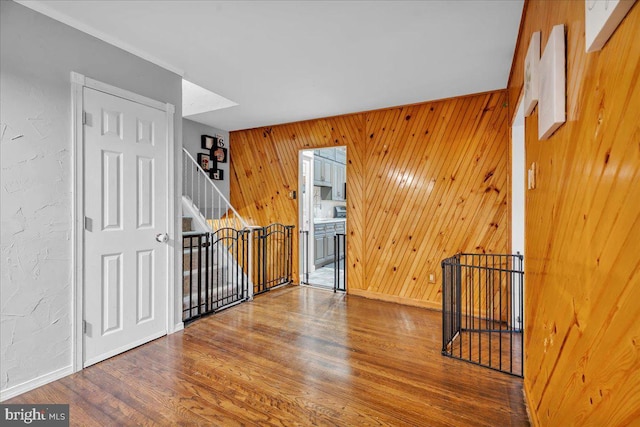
(125, 196)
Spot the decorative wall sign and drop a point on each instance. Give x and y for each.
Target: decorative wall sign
(207, 142)
(531, 79)
(552, 102)
(220, 154)
(204, 160)
(602, 17)
(216, 174)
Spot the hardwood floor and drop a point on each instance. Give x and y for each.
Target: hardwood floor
(294, 356)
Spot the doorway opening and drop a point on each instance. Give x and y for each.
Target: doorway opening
(322, 217)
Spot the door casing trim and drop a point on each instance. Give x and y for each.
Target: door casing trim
(78, 83)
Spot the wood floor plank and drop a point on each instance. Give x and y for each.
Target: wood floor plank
(293, 356)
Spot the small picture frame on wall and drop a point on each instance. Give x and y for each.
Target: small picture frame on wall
(219, 141)
(216, 174)
(207, 142)
(220, 154)
(204, 160)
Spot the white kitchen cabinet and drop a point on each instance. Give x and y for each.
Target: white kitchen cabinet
(317, 170)
(339, 179)
(322, 172)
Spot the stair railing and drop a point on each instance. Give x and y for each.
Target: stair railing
(214, 207)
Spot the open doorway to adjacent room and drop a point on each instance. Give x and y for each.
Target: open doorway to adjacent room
(322, 217)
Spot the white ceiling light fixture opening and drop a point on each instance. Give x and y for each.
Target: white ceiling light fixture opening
(197, 100)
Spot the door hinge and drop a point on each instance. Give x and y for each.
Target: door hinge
(88, 224)
(84, 117)
(84, 326)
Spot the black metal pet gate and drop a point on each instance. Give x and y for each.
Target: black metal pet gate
(338, 263)
(482, 310)
(213, 276)
(273, 247)
(217, 266)
(339, 259)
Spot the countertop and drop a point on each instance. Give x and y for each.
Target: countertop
(328, 220)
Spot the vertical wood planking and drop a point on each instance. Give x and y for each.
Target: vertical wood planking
(583, 230)
(423, 182)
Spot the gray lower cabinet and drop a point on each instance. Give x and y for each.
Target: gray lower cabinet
(323, 242)
(318, 257)
(329, 247)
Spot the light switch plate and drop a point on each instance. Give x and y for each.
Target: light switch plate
(531, 177)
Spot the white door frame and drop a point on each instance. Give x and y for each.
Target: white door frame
(518, 201)
(305, 198)
(78, 83)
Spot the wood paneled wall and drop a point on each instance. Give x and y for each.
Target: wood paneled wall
(582, 253)
(423, 182)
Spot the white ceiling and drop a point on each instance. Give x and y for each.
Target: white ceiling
(284, 61)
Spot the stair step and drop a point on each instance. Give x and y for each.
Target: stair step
(187, 224)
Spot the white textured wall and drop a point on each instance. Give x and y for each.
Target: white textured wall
(37, 55)
(36, 232)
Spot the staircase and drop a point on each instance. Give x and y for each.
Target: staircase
(204, 201)
(215, 241)
(226, 261)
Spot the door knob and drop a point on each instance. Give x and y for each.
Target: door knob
(162, 237)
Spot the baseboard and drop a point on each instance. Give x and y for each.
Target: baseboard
(131, 345)
(35, 383)
(533, 416)
(396, 299)
(177, 327)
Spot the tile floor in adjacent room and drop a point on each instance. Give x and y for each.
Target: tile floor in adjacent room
(324, 277)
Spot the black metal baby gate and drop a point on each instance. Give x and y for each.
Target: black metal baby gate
(304, 257)
(217, 266)
(339, 258)
(273, 248)
(213, 277)
(482, 310)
